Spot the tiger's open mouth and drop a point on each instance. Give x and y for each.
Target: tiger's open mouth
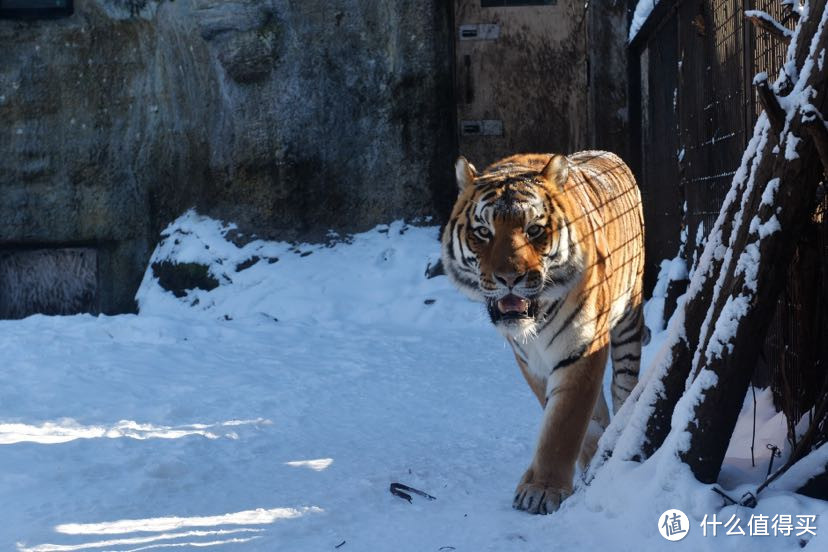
(512, 307)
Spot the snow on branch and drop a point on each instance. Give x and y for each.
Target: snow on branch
(800, 472)
(792, 9)
(688, 404)
(644, 421)
(643, 9)
(815, 125)
(762, 244)
(769, 101)
(763, 20)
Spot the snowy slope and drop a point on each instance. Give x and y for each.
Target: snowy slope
(273, 412)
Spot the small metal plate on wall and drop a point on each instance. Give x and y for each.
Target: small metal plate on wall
(481, 31)
(484, 127)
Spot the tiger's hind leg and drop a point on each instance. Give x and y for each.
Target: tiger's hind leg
(625, 350)
(599, 422)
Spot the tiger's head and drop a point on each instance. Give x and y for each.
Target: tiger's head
(510, 242)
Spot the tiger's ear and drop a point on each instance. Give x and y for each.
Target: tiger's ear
(465, 173)
(556, 171)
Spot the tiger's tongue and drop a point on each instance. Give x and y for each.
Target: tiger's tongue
(512, 303)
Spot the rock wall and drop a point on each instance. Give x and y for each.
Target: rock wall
(286, 117)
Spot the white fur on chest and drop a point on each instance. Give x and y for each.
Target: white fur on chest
(544, 351)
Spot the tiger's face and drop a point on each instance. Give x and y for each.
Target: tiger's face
(508, 242)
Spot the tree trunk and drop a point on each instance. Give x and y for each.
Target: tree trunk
(732, 293)
(778, 208)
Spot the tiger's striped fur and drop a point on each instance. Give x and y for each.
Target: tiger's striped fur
(553, 246)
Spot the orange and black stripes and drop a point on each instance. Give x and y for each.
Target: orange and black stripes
(589, 260)
(553, 246)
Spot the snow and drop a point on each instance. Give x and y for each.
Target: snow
(759, 78)
(674, 270)
(643, 9)
(715, 248)
(759, 14)
(764, 229)
(790, 147)
(279, 285)
(273, 413)
(748, 263)
(664, 476)
(68, 430)
(626, 434)
(802, 471)
(666, 481)
(770, 192)
(252, 517)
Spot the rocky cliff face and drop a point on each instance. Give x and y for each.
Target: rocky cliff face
(287, 117)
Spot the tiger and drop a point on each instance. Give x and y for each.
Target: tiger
(553, 245)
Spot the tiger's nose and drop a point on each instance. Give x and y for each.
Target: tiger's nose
(509, 279)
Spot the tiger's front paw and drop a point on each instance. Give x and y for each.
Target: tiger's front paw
(537, 497)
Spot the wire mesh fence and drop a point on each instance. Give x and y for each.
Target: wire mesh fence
(716, 52)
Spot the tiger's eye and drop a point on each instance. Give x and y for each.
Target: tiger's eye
(534, 231)
(482, 232)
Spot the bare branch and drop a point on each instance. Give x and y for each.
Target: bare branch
(792, 9)
(770, 103)
(815, 125)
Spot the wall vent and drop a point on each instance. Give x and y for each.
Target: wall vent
(48, 281)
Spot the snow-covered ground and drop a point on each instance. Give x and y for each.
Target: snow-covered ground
(273, 413)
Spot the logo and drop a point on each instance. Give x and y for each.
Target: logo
(673, 525)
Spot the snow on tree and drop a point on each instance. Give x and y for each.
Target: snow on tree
(688, 402)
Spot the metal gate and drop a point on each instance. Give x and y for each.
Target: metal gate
(520, 76)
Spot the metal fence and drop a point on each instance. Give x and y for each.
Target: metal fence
(692, 65)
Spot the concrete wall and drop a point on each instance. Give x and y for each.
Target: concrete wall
(286, 117)
(607, 49)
